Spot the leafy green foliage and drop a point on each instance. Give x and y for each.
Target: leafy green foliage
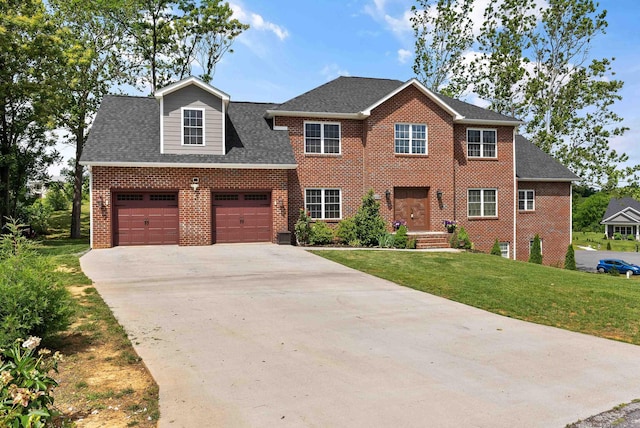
(454, 242)
(369, 223)
(321, 234)
(32, 302)
(570, 259)
(385, 240)
(303, 228)
(39, 214)
(56, 199)
(588, 212)
(412, 243)
(608, 246)
(346, 231)
(26, 384)
(400, 240)
(536, 251)
(495, 250)
(463, 239)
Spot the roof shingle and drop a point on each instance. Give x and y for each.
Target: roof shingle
(534, 164)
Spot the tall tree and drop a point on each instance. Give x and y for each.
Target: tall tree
(30, 58)
(444, 33)
(167, 37)
(94, 64)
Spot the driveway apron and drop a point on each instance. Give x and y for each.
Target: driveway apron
(267, 335)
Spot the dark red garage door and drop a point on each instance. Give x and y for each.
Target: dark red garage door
(146, 218)
(241, 217)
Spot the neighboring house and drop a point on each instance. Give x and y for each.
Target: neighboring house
(39, 188)
(190, 167)
(623, 217)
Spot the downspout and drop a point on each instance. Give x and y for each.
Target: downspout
(570, 212)
(455, 196)
(515, 197)
(90, 207)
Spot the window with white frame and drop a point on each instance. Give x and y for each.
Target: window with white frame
(481, 143)
(410, 139)
(193, 126)
(531, 245)
(623, 230)
(323, 204)
(322, 138)
(526, 200)
(504, 249)
(482, 203)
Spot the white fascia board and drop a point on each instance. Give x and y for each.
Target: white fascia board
(314, 114)
(192, 165)
(466, 121)
(622, 212)
(191, 81)
(550, 180)
(421, 88)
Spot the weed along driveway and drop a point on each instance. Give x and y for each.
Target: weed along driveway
(266, 335)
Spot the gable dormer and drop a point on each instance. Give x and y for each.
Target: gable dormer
(192, 118)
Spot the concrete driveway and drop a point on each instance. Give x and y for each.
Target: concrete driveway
(266, 335)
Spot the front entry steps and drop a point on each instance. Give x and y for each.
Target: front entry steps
(430, 240)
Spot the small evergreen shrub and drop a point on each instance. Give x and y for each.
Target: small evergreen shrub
(570, 259)
(614, 272)
(608, 246)
(536, 251)
(321, 234)
(346, 231)
(463, 239)
(303, 228)
(369, 223)
(400, 240)
(495, 250)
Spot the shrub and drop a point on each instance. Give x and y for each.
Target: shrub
(303, 228)
(32, 302)
(495, 250)
(631, 238)
(321, 234)
(368, 221)
(400, 240)
(614, 272)
(354, 243)
(57, 199)
(536, 251)
(39, 214)
(617, 236)
(346, 231)
(412, 244)
(26, 384)
(385, 240)
(463, 239)
(608, 246)
(570, 259)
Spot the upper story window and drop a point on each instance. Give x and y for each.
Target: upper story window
(193, 127)
(410, 139)
(526, 200)
(481, 143)
(482, 203)
(323, 204)
(322, 138)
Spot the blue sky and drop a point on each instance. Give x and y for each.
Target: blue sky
(295, 45)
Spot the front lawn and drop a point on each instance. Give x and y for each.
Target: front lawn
(597, 241)
(600, 305)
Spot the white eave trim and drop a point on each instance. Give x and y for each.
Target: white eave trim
(622, 212)
(191, 81)
(549, 180)
(466, 121)
(192, 165)
(314, 114)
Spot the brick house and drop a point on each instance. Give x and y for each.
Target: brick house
(190, 167)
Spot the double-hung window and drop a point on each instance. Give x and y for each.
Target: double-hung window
(323, 204)
(482, 203)
(193, 127)
(322, 138)
(526, 200)
(504, 249)
(481, 143)
(410, 139)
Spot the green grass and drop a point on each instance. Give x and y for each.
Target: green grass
(596, 241)
(600, 305)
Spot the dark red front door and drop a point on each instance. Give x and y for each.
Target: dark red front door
(145, 218)
(412, 205)
(241, 217)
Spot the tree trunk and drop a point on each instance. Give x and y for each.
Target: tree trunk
(76, 207)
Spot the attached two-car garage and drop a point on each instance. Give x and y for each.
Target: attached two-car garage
(152, 218)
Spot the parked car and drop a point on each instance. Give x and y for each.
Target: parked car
(620, 265)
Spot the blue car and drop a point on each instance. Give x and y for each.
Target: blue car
(620, 265)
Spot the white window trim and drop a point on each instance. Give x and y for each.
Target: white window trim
(525, 199)
(411, 125)
(322, 189)
(482, 190)
(315, 122)
(508, 255)
(531, 245)
(182, 110)
(482, 156)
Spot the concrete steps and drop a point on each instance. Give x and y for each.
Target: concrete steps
(431, 240)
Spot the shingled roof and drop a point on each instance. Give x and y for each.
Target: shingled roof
(532, 164)
(127, 129)
(617, 205)
(354, 95)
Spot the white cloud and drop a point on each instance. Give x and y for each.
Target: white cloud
(331, 71)
(398, 23)
(257, 22)
(404, 55)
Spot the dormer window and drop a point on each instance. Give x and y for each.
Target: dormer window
(192, 127)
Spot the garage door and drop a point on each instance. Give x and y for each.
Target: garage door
(241, 217)
(146, 218)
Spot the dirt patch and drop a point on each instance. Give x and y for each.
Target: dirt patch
(102, 381)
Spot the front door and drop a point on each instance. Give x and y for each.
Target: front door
(412, 205)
